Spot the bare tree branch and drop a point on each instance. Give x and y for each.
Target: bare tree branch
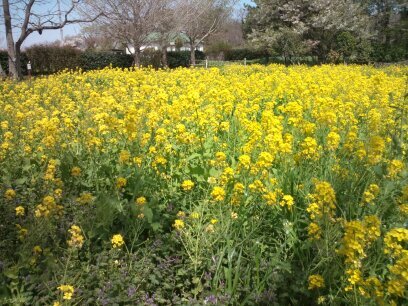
(23, 15)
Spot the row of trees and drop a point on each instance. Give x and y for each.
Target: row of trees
(128, 22)
(329, 28)
(132, 22)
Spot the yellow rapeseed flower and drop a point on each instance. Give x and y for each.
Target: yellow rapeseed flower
(178, 224)
(10, 194)
(67, 291)
(76, 171)
(117, 241)
(20, 211)
(187, 185)
(120, 182)
(315, 281)
(218, 194)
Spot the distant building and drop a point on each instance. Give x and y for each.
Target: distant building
(178, 43)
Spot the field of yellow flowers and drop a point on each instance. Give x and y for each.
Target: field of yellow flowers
(235, 186)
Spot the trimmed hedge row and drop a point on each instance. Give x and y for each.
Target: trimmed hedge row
(249, 54)
(51, 59)
(4, 62)
(98, 60)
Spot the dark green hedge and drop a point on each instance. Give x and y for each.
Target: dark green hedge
(249, 54)
(50, 59)
(4, 61)
(182, 58)
(98, 60)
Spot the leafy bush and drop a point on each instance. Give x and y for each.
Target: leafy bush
(4, 61)
(182, 58)
(47, 59)
(249, 54)
(98, 60)
(151, 57)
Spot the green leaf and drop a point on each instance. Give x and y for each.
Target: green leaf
(214, 172)
(156, 226)
(194, 156)
(147, 211)
(12, 272)
(21, 181)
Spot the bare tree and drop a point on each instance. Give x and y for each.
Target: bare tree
(2, 72)
(201, 18)
(24, 17)
(167, 28)
(130, 22)
(230, 33)
(94, 37)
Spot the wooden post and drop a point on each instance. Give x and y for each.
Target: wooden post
(245, 61)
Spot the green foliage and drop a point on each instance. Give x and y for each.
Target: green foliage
(50, 59)
(249, 252)
(249, 54)
(346, 44)
(99, 60)
(151, 57)
(218, 49)
(47, 59)
(182, 58)
(4, 61)
(359, 31)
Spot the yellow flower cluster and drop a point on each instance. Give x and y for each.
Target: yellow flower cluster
(251, 136)
(85, 198)
(9, 194)
(218, 194)
(67, 291)
(76, 240)
(358, 236)
(187, 185)
(121, 182)
(322, 205)
(48, 207)
(395, 167)
(20, 211)
(117, 241)
(178, 224)
(51, 170)
(76, 171)
(323, 201)
(370, 194)
(316, 281)
(141, 201)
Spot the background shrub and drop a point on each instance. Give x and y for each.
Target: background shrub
(249, 54)
(4, 61)
(47, 59)
(182, 58)
(97, 60)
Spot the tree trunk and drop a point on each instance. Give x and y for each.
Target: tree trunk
(164, 57)
(13, 50)
(192, 55)
(2, 73)
(136, 57)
